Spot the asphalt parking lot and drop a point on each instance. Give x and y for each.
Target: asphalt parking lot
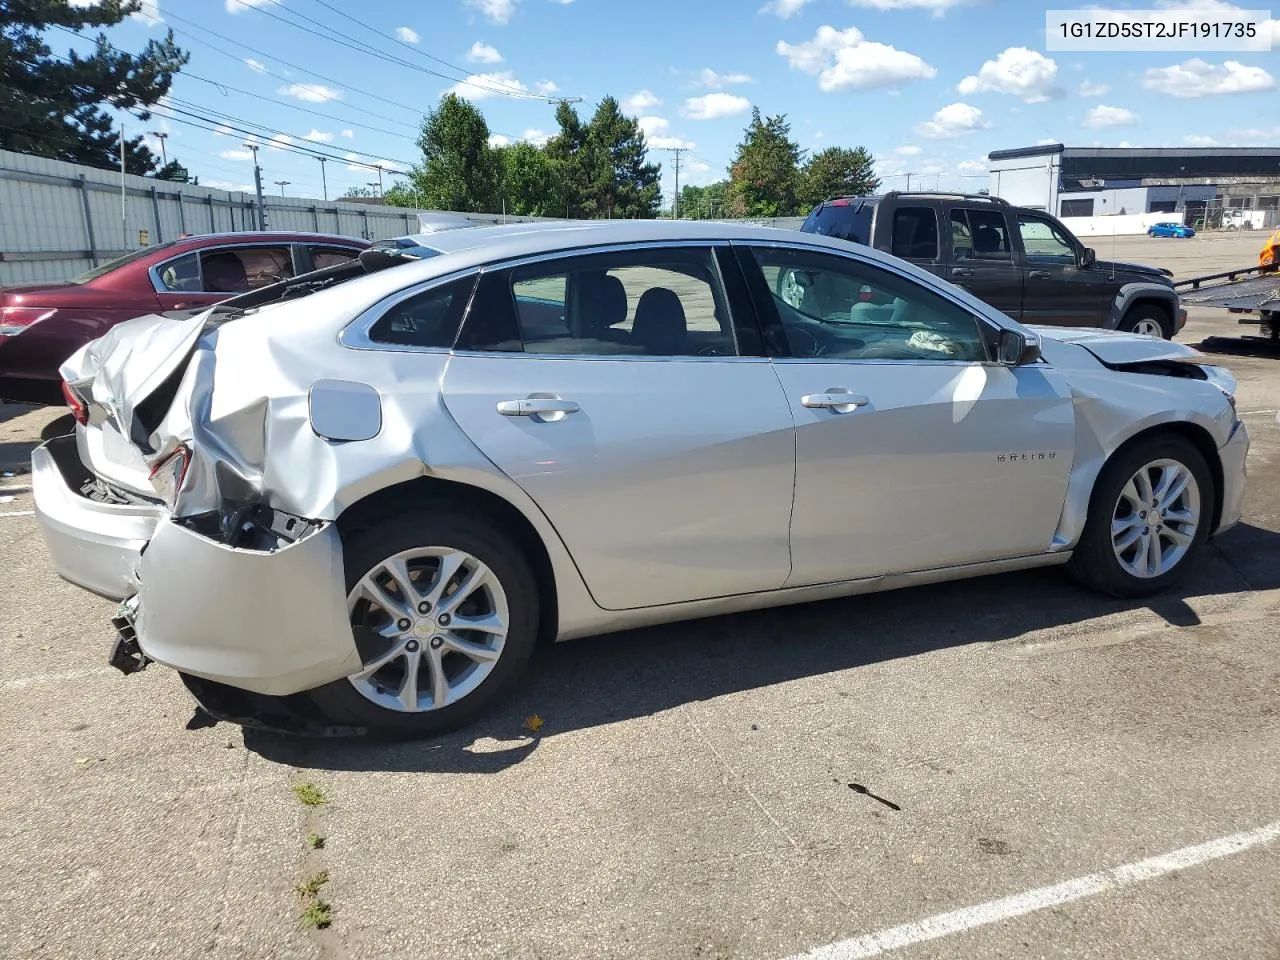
(857, 772)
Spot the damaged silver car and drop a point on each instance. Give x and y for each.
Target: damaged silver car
(367, 500)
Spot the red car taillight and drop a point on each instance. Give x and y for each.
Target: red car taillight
(78, 408)
(13, 320)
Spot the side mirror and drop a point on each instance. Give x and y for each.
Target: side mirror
(1088, 257)
(1017, 350)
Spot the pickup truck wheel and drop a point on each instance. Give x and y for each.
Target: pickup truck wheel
(444, 607)
(1149, 516)
(1147, 320)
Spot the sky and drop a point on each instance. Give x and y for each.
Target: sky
(930, 87)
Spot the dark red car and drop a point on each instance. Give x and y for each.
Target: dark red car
(44, 323)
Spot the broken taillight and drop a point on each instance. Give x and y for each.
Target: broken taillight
(78, 408)
(167, 475)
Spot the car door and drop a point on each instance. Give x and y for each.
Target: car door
(913, 451)
(1057, 290)
(982, 260)
(617, 391)
(914, 237)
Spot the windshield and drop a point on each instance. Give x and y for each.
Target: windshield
(119, 262)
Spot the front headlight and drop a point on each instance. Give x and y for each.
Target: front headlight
(1221, 378)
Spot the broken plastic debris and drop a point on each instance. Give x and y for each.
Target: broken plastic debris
(533, 724)
(9, 498)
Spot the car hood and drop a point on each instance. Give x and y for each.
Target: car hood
(1141, 269)
(1117, 349)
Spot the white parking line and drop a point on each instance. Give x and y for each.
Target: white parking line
(19, 513)
(1041, 898)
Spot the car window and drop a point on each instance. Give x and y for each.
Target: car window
(322, 257)
(979, 235)
(833, 306)
(241, 269)
(427, 319)
(1043, 242)
(180, 275)
(915, 233)
(843, 219)
(648, 303)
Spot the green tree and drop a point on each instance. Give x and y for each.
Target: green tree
(529, 183)
(567, 153)
(764, 178)
(837, 171)
(459, 170)
(53, 106)
(175, 172)
(700, 203)
(401, 194)
(359, 193)
(620, 180)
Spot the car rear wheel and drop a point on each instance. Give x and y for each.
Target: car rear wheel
(1147, 320)
(444, 607)
(1148, 517)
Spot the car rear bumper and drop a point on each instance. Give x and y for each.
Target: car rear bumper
(93, 545)
(1233, 455)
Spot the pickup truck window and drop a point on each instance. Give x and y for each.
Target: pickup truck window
(1043, 243)
(979, 235)
(915, 233)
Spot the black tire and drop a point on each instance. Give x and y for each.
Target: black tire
(440, 525)
(1145, 311)
(1094, 562)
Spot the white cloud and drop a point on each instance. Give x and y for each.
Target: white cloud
(228, 185)
(495, 11)
(236, 155)
(408, 34)
(1088, 89)
(639, 102)
(499, 140)
(937, 7)
(1045, 141)
(846, 60)
(148, 13)
(714, 81)
(310, 92)
(280, 141)
(221, 130)
(907, 150)
(359, 163)
(546, 87)
(239, 6)
(1196, 78)
(481, 86)
(1256, 135)
(257, 66)
(714, 105)
(348, 134)
(656, 134)
(535, 136)
(1266, 28)
(1199, 140)
(953, 120)
(1019, 71)
(319, 136)
(1104, 116)
(784, 9)
(971, 166)
(483, 53)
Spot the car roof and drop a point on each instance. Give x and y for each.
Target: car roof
(249, 236)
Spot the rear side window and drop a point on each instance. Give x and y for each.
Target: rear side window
(915, 233)
(427, 319)
(979, 235)
(842, 219)
(180, 275)
(322, 257)
(242, 269)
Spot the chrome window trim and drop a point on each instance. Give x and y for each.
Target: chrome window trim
(355, 335)
(154, 271)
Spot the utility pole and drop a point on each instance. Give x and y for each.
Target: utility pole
(323, 182)
(282, 184)
(162, 137)
(378, 167)
(257, 183)
(124, 201)
(908, 190)
(675, 204)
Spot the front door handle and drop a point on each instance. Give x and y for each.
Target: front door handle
(962, 272)
(544, 409)
(835, 399)
(1039, 275)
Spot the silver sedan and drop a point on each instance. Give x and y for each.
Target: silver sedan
(380, 495)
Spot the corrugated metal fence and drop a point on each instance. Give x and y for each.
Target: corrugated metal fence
(59, 219)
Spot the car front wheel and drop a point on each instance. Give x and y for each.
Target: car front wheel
(1147, 320)
(444, 608)
(1149, 515)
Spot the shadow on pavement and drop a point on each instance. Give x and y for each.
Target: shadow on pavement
(1242, 346)
(600, 680)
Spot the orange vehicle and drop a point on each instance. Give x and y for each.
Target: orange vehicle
(1253, 293)
(1270, 255)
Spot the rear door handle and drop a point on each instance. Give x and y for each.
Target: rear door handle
(961, 272)
(836, 399)
(547, 409)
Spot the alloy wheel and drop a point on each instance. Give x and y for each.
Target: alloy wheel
(430, 624)
(1148, 327)
(1155, 519)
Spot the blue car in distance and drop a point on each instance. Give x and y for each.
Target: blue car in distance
(1170, 230)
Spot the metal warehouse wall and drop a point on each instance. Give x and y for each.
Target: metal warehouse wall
(59, 219)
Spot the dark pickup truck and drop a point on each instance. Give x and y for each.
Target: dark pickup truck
(1021, 261)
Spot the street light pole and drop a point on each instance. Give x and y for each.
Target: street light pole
(282, 184)
(162, 137)
(323, 182)
(257, 182)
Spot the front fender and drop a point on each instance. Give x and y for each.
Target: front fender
(1131, 293)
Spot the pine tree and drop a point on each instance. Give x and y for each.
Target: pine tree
(54, 106)
(459, 170)
(764, 178)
